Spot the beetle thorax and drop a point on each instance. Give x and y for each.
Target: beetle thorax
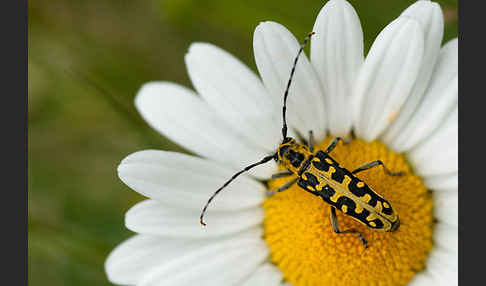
(292, 155)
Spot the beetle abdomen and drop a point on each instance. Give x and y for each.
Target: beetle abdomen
(342, 203)
(341, 189)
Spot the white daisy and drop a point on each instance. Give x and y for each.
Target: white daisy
(404, 93)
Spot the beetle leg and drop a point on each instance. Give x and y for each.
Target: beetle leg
(283, 188)
(282, 175)
(374, 164)
(335, 226)
(333, 144)
(311, 141)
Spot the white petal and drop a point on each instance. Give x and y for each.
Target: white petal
(446, 237)
(184, 181)
(337, 55)
(439, 100)
(438, 154)
(212, 265)
(235, 93)
(183, 117)
(266, 275)
(387, 76)
(446, 207)
(443, 183)
(422, 279)
(152, 217)
(442, 260)
(135, 257)
(275, 49)
(435, 108)
(443, 266)
(430, 16)
(446, 68)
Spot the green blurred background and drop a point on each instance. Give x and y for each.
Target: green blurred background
(87, 59)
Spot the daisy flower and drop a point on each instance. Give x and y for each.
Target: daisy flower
(398, 105)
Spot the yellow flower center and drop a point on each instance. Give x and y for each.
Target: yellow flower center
(304, 246)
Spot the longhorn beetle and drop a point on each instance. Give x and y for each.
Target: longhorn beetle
(319, 174)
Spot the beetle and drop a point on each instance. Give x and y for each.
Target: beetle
(319, 174)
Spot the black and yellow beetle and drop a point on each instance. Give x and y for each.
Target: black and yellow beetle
(319, 174)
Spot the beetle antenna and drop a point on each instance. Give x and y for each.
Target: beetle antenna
(284, 128)
(263, 161)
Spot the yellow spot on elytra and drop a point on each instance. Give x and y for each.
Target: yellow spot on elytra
(379, 207)
(360, 184)
(331, 171)
(371, 217)
(344, 208)
(304, 246)
(329, 161)
(336, 196)
(372, 223)
(346, 182)
(366, 198)
(386, 205)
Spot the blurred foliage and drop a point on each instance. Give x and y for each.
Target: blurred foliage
(87, 59)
